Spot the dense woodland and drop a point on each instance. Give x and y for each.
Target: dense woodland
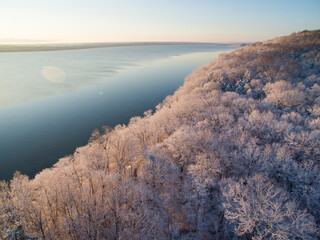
(233, 154)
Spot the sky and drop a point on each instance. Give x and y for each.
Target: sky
(46, 21)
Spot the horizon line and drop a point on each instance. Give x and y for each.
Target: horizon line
(115, 42)
(77, 46)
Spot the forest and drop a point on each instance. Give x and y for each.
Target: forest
(233, 154)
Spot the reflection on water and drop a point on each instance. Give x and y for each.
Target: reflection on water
(27, 76)
(50, 102)
(53, 74)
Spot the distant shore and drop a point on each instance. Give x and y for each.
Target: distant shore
(76, 46)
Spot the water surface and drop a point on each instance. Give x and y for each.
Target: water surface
(50, 102)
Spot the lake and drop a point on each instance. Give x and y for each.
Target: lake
(51, 101)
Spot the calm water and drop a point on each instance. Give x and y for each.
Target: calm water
(50, 102)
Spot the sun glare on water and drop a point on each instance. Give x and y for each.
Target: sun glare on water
(53, 74)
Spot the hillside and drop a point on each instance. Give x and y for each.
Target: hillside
(233, 154)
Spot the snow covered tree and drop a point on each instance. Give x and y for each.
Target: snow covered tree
(259, 210)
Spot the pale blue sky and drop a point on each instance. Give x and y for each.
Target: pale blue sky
(154, 20)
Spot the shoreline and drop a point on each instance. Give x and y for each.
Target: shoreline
(78, 46)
